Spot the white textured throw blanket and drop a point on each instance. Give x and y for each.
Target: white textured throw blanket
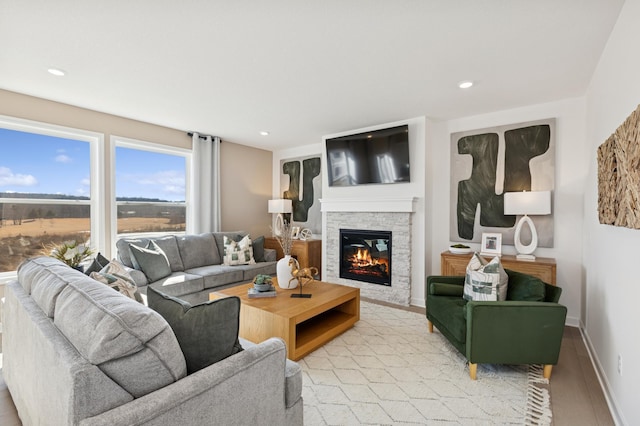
(389, 370)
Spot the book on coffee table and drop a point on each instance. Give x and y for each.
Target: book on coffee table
(252, 293)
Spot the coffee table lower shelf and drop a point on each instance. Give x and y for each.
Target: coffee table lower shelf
(304, 324)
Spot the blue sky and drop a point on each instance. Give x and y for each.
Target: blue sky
(33, 163)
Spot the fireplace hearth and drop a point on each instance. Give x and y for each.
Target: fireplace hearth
(365, 255)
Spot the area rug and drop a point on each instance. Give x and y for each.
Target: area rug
(388, 370)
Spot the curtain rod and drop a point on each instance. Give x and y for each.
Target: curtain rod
(203, 136)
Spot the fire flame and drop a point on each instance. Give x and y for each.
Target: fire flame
(362, 258)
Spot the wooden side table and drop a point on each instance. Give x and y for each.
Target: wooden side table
(543, 267)
(307, 252)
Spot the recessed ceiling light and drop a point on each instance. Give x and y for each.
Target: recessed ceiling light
(57, 72)
(264, 133)
(465, 84)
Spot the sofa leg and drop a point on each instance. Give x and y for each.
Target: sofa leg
(546, 372)
(430, 326)
(473, 370)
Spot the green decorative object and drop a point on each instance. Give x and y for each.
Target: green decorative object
(262, 282)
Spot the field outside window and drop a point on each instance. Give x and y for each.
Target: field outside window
(45, 193)
(150, 189)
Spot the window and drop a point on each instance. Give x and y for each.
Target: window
(150, 188)
(48, 195)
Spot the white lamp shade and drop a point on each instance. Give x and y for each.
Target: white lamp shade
(527, 202)
(280, 206)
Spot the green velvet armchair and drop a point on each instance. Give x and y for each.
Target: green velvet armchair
(524, 329)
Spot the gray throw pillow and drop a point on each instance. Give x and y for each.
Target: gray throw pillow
(258, 249)
(98, 263)
(207, 333)
(152, 260)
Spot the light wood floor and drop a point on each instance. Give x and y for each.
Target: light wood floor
(576, 395)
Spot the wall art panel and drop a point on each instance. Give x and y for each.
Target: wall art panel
(485, 164)
(300, 181)
(619, 175)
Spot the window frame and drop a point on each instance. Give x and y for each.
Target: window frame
(124, 142)
(97, 198)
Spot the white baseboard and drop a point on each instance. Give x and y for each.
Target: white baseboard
(417, 302)
(602, 379)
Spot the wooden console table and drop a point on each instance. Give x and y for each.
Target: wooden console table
(307, 252)
(543, 267)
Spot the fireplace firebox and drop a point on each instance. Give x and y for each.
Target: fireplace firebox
(365, 256)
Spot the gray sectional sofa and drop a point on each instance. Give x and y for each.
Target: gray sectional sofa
(76, 352)
(196, 263)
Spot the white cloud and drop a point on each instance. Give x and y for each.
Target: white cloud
(169, 182)
(168, 177)
(7, 177)
(173, 189)
(63, 159)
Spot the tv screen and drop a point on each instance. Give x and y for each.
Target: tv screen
(380, 156)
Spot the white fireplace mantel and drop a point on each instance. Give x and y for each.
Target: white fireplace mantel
(396, 205)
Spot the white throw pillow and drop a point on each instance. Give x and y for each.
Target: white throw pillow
(238, 252)
(485, 281)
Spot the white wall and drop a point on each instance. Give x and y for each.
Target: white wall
(611, 253)
(570, 176)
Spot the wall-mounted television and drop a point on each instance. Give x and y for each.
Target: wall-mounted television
(379, 156)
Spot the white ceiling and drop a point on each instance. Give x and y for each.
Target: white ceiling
(300, 69)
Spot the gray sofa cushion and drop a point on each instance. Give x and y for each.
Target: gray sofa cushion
(198, 250)
(217, 275)
(152, 260)
(44, 278)
(207, 332)
(179, 283)
(129, 342)
(97, 264)
(168, 244)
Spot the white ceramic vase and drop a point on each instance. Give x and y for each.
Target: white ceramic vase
(283, 271)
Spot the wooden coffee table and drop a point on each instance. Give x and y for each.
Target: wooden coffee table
(304, 324)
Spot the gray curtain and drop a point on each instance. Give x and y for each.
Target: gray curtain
(206, 184)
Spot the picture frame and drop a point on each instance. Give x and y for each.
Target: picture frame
(295, 232)
(491, 244)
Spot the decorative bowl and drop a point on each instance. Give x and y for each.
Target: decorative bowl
(459, 250)
(262, 287)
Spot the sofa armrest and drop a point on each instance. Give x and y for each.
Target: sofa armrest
(513, 332)
(440, 285)
(292, 376)
(246, 388)
(270, 255)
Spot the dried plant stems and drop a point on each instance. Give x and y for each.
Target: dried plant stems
(285, 238)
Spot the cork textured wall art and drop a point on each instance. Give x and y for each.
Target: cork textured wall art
(619, 175)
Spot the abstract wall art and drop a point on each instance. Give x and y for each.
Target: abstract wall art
(300, 181)
(619, 175)
(485, 164)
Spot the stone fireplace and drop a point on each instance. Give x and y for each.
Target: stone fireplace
(377, 219)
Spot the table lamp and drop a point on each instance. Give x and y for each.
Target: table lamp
(527, 203)
(280, 207)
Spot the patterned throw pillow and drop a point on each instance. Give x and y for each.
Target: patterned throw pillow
(238, 252)
(116, 276)
(485, 281)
